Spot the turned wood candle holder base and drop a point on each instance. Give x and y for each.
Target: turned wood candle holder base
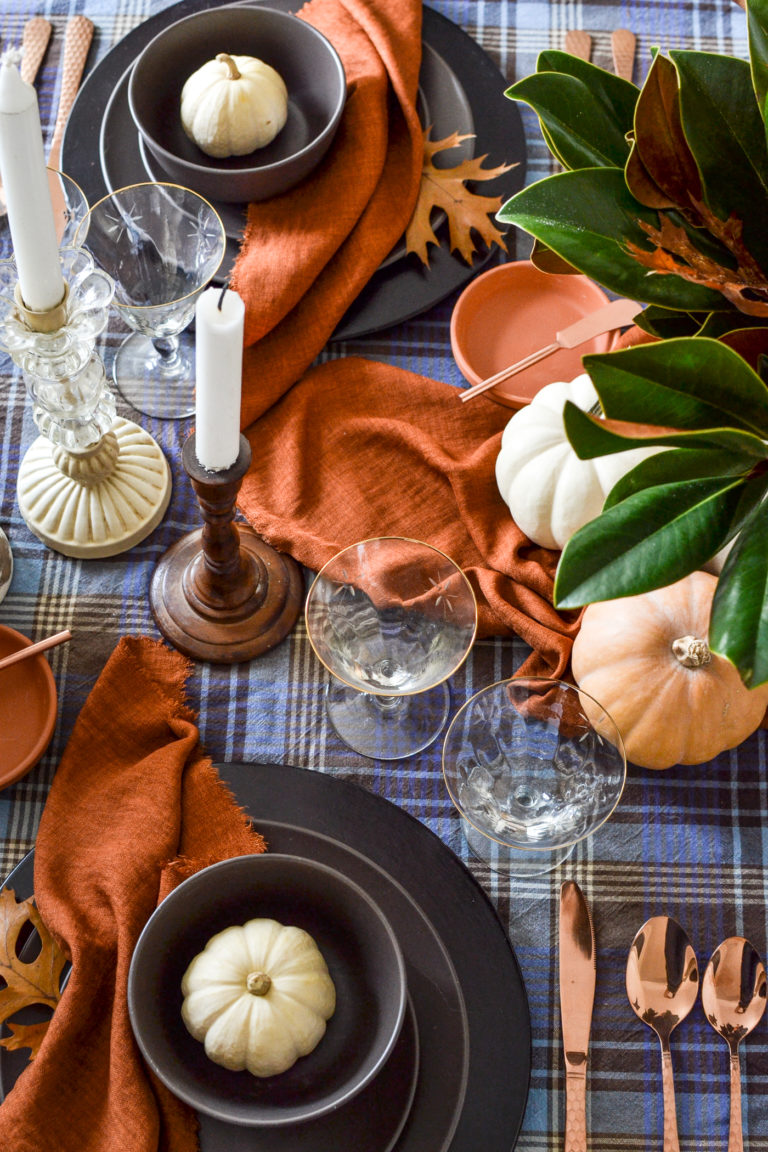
(221, 594)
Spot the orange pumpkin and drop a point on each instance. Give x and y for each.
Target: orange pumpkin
(646, 660)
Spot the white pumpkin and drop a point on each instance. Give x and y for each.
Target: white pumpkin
(258, 997)
(550, 492)
(233, 105)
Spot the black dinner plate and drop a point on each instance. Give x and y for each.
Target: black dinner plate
(398, 290)
(465, 984)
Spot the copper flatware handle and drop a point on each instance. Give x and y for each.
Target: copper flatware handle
(37, 33)
(575, 1113)
(77, 43)
(671, 1141)
(735, 1132)
(578, 43)
(623, 44)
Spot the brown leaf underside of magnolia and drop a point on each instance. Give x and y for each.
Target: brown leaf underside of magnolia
(26, 982)
(745, 286)
(467, 212)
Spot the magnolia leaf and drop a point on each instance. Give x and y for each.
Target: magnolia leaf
(546, 260)
(726, 133)
(467, 211)
(660, 143)
(664, 323)
(678, 464)
(757, 25)
(642, 185)
(589, 218)
(37, 981)
(591, 437)
(649, 540)
(738, 626)
(581, 130)
(617, 95)
(692, 383)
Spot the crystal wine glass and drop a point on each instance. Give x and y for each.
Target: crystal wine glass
(391, 619)
(533, 766)
(162, 245)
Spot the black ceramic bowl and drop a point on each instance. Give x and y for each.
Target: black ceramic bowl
(307, 62)
(363, 958)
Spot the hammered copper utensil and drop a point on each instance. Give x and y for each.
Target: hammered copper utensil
(577, 995)
(662, 985)
(37, 33)
(578, 43)
(733, 997)
(77, 43)
(623, 44)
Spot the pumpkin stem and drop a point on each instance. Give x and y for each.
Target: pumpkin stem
(692, 652)
(258, 983)
(226, 59)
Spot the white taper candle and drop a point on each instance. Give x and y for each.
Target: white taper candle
(25, 181)
(219, 324)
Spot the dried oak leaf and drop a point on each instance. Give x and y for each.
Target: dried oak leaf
(445, 188)
(30, 982)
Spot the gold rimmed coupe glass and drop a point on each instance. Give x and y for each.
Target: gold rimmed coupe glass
(162, 245)
(391, 619)
(533, 766)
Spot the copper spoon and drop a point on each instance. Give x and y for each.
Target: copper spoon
(578, 43)
(733, 997)
(623, 49)
(662, 985)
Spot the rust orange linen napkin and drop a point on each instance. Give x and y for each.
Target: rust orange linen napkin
(306, 255)
(359, 449)
(134, 807)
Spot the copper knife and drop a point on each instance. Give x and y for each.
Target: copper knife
(577, 996)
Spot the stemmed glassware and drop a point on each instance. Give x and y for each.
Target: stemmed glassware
(533, 766)
(391, 619)
(162, 245)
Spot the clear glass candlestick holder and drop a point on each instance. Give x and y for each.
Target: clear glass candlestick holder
(92, 484)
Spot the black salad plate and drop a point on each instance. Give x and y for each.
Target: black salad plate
(469, 1079)
(399, 289)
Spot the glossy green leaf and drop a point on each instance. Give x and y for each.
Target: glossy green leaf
(588, 217)
(647, 541)
(757, 24)
(683, 383)
(617, 95)
(665, 323)
(726, 133)
(591, 438)
(739, 622)
(677, 465)
(719, 324)
(583, 132)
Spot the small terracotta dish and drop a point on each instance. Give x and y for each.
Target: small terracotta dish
(364, 961)
(512, 310)
(27, 708)
(306, 60)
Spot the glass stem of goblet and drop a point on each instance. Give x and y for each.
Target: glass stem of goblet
(167, 348)
(388, 705)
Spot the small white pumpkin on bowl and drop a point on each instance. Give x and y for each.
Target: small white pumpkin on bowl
(233, 105)
(550, 492)
(258, 997)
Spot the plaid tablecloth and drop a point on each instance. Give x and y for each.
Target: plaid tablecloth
(689, 842)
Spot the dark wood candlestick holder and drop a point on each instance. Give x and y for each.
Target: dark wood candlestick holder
(221, 594)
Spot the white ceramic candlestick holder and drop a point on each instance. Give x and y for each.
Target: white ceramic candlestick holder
(92, 484)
